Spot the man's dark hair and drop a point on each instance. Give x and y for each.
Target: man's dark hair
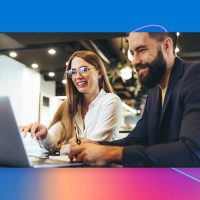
(161, 36)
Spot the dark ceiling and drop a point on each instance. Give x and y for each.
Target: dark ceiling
(111, 47)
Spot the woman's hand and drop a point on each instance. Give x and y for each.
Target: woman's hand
(36, 129)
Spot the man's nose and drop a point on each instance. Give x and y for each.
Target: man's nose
(136, 59)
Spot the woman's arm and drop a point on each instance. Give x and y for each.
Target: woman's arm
(53, 137)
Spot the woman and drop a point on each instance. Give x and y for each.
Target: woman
(91, 106)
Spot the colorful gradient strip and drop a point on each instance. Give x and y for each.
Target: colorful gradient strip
(98, 184)
(118, 184)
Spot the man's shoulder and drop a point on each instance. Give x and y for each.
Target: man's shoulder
(192, 62)
(191, 65)
(192, 69)
(190, 81)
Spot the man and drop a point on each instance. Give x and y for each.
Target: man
(168, 133)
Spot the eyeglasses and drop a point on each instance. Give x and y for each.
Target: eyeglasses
(82, 70)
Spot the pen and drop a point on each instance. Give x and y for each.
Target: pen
(77, 135)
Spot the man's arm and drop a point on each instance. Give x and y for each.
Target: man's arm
(186, 151)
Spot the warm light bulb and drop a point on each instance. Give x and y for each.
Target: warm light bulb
(126, 73)
(51, 74)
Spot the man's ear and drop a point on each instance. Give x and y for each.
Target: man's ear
(167, 45)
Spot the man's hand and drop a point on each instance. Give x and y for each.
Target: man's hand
(96, 155)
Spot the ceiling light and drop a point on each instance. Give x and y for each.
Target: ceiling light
(34, 65)
(52, 51)
(177, 50)
(126, 73)
(67, 63)
(177, 34)
(64, 81)
(13, 54)
(130, 57)
(51, 74)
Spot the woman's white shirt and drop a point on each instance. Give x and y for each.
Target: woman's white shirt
(102, 121)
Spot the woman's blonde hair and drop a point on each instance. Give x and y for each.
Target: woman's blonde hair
(67, 110)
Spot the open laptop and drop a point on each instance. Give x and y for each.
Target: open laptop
(12, 150)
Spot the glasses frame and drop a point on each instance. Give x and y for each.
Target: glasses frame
(80, 72)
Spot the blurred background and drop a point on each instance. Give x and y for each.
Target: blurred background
(32, 68)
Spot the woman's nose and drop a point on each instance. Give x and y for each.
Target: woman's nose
(78, 74)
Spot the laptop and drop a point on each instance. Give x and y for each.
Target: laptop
(12, 150)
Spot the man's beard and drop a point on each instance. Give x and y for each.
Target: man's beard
(156, 71)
